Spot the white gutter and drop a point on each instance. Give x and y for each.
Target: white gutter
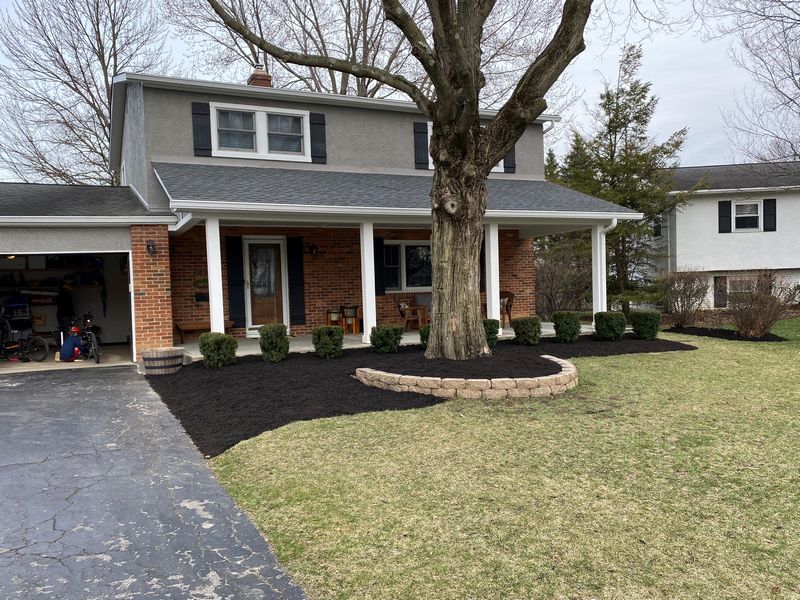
(378, 211)
(610, 228)
(787, 188)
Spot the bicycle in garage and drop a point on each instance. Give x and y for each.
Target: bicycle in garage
(15, 346)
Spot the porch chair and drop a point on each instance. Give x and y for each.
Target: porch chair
(411, 315)
(506, 303)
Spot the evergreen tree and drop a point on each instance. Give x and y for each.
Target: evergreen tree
(622, 164)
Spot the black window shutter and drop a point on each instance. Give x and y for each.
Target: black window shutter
(235, 260)
(380, 275)
(770, 215)
(510, 162)
(483, 267)
(319, 152)
(421, 157)
(201, 128)
(720, 291)
(724, 216)
(297, 287)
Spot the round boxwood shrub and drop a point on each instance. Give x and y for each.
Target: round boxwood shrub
(492, 329)
(527, 330)
(327, 340)
(567, 326)
(424, 333)
(218, 349)
(385, 339)
(645, 323)
(609, 326)
(273, 341)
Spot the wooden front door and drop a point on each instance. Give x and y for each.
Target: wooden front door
(264, 282)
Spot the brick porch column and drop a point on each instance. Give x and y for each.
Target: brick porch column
(152, 294)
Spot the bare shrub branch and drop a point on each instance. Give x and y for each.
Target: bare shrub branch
(684, 294)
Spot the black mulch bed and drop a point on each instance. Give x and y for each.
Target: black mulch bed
(724, 334)
(221, 407)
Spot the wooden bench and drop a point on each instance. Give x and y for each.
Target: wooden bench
(184, 327)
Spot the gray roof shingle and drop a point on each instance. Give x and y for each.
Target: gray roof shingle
(43, 199)
(738, 177)
(208, 183)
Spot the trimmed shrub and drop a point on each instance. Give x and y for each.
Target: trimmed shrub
(218, 349)
(646, 323)
(527, 330)
(273, 341)
(609, 326)
(492, 328)
(567, 326)
(424, 333)
(385, 339)
(328, 340)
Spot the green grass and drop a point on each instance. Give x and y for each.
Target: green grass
(661, 476)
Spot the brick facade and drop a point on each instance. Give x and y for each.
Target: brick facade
(152, 290)
(333, 275)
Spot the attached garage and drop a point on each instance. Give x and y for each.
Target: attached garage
(68, 249)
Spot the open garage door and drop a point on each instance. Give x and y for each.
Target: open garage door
(42, 294)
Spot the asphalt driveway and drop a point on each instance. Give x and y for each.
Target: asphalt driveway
(102, 495)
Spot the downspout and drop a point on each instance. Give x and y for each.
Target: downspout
(610, 228)
(550, 125)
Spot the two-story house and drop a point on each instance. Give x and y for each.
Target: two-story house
(245, 204)
(740, 219)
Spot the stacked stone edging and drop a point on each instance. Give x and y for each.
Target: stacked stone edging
(490, 389)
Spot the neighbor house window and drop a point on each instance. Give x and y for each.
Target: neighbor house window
(236, 130)
(241, 131)
(407, 266)
(747, 215)
(740, 285)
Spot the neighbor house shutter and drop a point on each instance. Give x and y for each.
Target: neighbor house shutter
(421, 157)
(297, 287)
(380, 274)
(235, 260)
(724, 216)
(770, 215)
(201, 128)
(483, 268)
(510, 162)
(720, 291)
(319, 152)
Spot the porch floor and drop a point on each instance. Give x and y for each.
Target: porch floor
(302, 343)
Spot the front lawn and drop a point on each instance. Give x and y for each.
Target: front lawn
(672, 475)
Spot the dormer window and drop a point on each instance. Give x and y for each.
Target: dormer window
(236, 130)
(259, 132)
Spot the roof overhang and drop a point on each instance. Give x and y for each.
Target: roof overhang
(755, 190)
(121, 81)
(82, 221)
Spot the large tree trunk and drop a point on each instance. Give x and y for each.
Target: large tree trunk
(459, 202)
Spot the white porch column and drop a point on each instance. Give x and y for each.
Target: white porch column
(599, 270)
(214, 262)
(368, 309)
(491, 246)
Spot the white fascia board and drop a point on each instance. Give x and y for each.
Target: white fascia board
(755, 190)
(77, 221)
(374, 211)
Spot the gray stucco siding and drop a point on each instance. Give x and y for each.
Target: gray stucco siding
(32, 240)
(134, 149)
(357, 138)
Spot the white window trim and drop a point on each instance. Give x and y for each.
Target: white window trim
(498, 168)
(402, 243)
(736, 203)
(262, 148)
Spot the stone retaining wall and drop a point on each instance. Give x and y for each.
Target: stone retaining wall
(490, 389)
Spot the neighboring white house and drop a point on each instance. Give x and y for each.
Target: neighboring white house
(740, 219)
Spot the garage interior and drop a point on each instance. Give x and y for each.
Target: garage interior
(32, 286)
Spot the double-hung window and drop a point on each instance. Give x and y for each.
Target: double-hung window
(407, 266)
(236, 130)
(241, 131)
(746, 216)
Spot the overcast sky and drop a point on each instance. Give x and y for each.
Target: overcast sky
(694, 79)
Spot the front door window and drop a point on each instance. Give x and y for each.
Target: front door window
(265, 295)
